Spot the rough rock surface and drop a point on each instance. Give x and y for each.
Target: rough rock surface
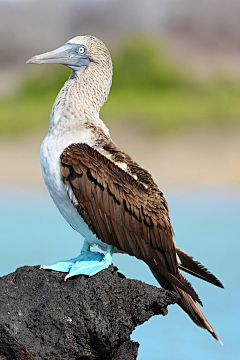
(44, 317)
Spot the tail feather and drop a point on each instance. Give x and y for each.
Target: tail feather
(187, 303)
(176, 279)
(195, 313)
(196, 268)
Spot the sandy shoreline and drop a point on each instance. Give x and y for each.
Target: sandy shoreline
(183, 160)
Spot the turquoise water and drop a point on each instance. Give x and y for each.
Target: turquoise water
(206, 222)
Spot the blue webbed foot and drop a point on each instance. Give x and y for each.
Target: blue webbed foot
(87, 263)
(90, 264)
(63, 266)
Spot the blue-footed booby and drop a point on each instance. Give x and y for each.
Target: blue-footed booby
(101, 192)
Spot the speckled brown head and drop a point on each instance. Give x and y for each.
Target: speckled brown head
(90, 62)
(96, 50)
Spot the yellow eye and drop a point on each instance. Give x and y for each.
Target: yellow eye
(81, 50)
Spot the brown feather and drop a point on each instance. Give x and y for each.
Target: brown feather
(130, 214)
(195, 268)
(65, 170)
(77, 169)
(120, 243)
(195, 313)
(134, 246)
(113, 233)
(74, 180)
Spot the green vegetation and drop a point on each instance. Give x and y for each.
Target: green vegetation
(147, 89)
(30, 108)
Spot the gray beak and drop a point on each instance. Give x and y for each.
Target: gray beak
(67, 55)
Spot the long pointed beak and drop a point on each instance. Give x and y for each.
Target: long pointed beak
(58, 56)
(67, 55)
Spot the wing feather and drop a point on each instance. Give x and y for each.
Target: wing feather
(121, 210)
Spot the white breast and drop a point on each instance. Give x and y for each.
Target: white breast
(51, 149)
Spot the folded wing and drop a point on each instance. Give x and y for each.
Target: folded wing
(123, 208)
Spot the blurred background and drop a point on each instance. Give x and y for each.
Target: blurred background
(174, 107)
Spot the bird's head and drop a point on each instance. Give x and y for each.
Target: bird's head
(78, 53)
(91, 66)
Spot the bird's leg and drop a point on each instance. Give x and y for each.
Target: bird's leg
(87, 263)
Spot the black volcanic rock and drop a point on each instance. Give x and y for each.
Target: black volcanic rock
(44, 317)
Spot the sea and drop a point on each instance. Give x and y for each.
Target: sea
(206, 221)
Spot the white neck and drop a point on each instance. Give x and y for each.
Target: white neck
(78, 103)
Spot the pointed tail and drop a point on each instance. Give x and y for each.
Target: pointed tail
(195, 313)
(195, 268)
(187, 304)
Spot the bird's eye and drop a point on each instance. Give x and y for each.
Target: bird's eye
(81, 50)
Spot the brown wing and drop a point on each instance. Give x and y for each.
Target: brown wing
(129, 213)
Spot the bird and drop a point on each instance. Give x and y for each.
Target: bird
(100, 190)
